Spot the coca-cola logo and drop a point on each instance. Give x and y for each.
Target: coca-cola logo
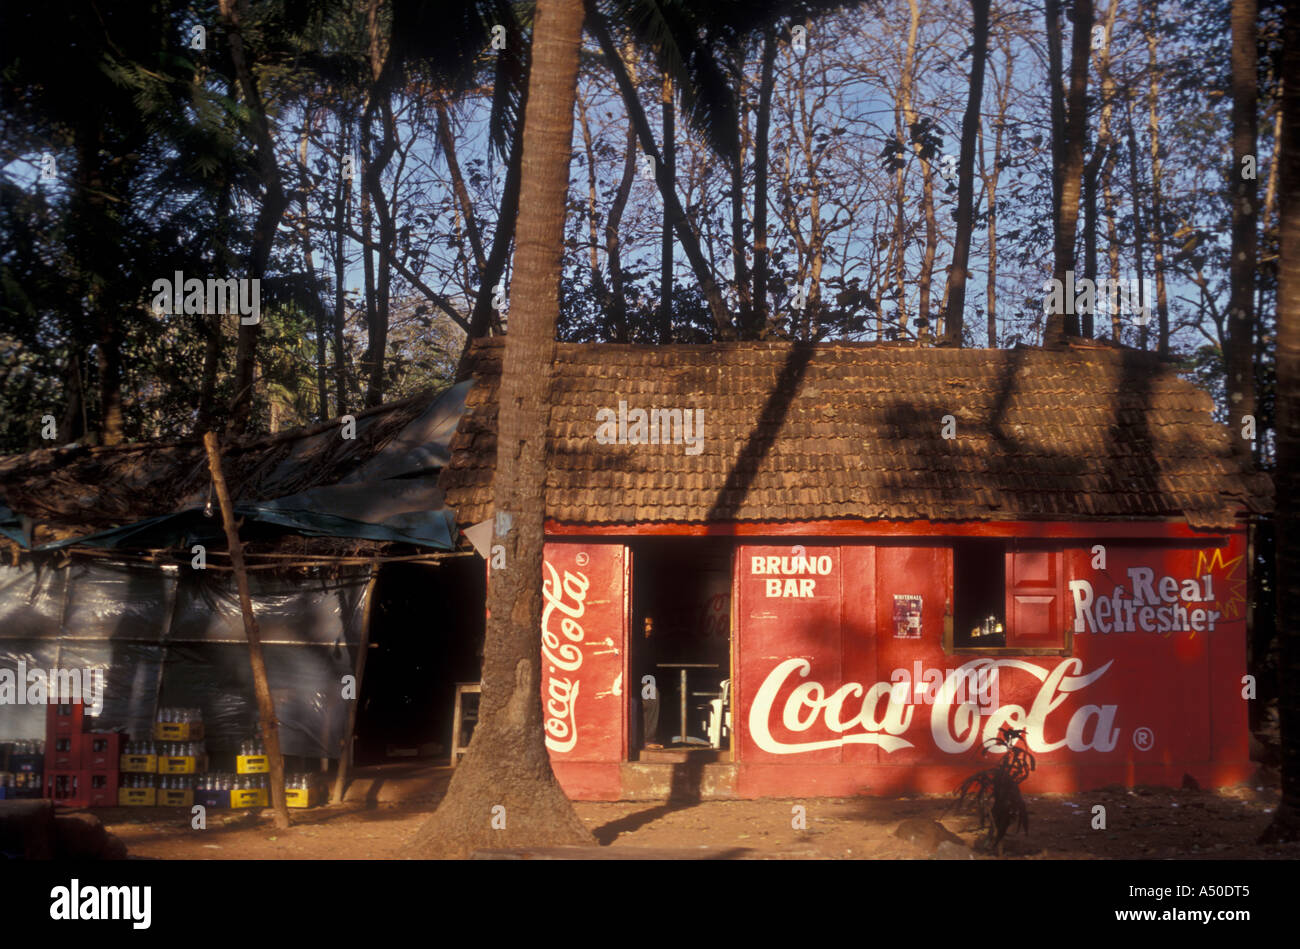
(884, 714)
(568, 598)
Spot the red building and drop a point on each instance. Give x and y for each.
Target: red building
(879, 555)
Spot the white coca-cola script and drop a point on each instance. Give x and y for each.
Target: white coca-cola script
(562, 655)
(953, 726)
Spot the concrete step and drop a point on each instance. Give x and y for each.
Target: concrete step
(682, 755)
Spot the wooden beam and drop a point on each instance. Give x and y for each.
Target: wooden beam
(261, 686)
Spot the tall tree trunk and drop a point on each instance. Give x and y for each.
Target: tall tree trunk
(1241, 318)
(598, 285)
(93, 247)
(902, 116)
(666, 234)
(447, 141)
(1071, 163)
(274, 202)
(954, 317)
(342, 223)
(926, 275)
(224, 261)
(387, 245)
(758, 322)
(1286, 821)
(304, 230)
(1109, 148)
(367, 266)
(71, 426)
(1056, 102)
(991, 180)
(1157, 195)
(613, 251)
(507, 763)
(481, 319)
(686, 236)
(1142, 303)
(1091, 171)
(991, 186)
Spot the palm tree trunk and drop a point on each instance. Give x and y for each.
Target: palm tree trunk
(508, 763)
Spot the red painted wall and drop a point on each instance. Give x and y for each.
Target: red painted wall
(584, 650)
(823, 703)
(826, 646)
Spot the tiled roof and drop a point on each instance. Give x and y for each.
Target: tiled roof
(832, 431)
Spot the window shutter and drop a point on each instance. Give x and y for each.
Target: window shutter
(1035, 599)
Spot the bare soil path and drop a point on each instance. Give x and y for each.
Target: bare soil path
(384, 812)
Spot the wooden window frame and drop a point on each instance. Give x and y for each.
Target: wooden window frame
(949, 649)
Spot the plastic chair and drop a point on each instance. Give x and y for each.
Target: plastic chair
(720, 715)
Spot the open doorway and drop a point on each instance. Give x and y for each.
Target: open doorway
(681, 629)
(426, 635)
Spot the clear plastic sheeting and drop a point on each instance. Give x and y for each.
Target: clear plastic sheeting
(130, 681)
(309, 611)
(31, 601)
(18, 720)
(168, 637)
(306, 686)
(118, 601)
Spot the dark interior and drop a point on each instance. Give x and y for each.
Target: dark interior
(979, 589)
(683, 586)
(426, 635)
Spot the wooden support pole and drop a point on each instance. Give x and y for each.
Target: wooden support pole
(345, 751)
(265, 704)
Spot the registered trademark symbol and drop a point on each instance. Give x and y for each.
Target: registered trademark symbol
(582, 558)
(1143, 738)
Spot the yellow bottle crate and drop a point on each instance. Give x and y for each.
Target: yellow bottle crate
(139, 764)
(177, 731)
(181, 764)
(303, 797)
(252, 764)
(248, 797)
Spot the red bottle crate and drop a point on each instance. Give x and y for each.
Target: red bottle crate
(65, 719)
(70, 788)
(101, 751)
(63, 751)
(101, 787)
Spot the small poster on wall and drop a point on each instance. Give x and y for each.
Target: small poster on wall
(907, 616)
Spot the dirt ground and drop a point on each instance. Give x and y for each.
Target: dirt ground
(1141, 823)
